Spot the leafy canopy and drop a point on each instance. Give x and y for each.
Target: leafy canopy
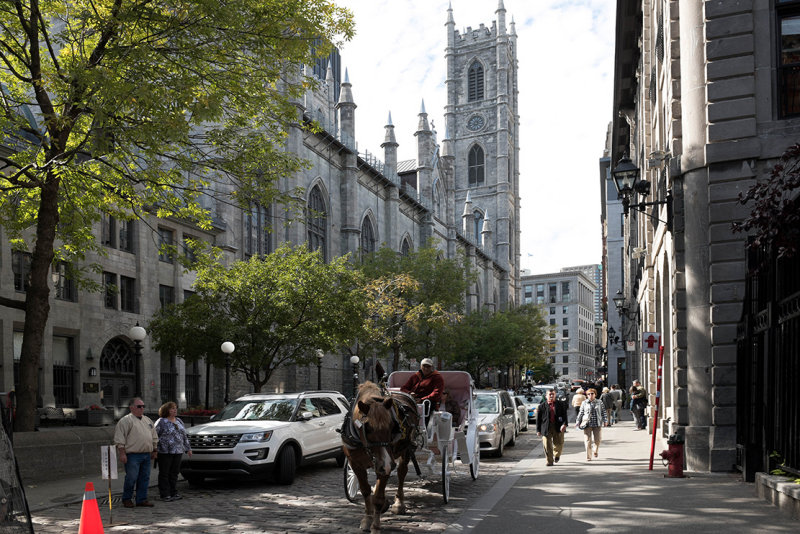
(126, 106)
(277, 310)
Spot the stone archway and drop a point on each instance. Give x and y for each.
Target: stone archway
(117, 373)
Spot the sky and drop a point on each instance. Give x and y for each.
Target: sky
(565, 50)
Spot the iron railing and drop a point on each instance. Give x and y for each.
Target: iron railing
(768, 366)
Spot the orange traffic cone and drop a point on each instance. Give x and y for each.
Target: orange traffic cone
(90, 513)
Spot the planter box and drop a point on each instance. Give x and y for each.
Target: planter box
(94, 417)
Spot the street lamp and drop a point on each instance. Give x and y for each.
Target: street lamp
(320, 355)
(227, 348)
(354, 362)
(626, 180)
(137, 334)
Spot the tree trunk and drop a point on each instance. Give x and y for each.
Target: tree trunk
(37, 306)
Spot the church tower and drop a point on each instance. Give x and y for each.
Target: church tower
(482, 122)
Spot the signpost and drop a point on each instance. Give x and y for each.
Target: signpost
(108, 469)
(651, 343)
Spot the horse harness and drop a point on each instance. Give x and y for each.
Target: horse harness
(354, 432)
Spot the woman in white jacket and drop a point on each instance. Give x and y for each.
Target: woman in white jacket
(591, 419)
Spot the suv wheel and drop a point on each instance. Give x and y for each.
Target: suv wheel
(286, 466)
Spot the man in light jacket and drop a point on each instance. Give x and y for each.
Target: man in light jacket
(137, 443)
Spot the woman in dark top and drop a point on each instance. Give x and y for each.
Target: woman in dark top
(172, 443)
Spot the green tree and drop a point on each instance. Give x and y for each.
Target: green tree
(130, 108)
(277, 310)
(413, 298)
(484, 340)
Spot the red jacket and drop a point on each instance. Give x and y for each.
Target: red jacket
(423, 387)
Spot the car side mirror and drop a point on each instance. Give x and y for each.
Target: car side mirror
(509, 411)
(305, 416)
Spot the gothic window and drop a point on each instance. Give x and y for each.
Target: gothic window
(257, 222)
(475, 166)
(437, 200)
(478, 225)
(405, 248)
(475, 82)
(367, 237)
(316, 223)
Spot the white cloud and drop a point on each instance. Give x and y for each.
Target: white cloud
(566, 61)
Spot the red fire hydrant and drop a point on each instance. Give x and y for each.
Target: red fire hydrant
(674, 456)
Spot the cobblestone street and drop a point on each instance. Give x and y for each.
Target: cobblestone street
(314, 503)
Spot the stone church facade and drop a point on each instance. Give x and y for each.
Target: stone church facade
(462, 192)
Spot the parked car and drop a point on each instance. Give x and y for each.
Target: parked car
(532, 405)
(522, 414)
(496, 421)
(267, 434)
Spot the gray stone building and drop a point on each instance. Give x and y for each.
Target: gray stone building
(567, 300)
(704, 104)
(463, 192)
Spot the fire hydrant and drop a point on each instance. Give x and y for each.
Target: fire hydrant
(674, 456)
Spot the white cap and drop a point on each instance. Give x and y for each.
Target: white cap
(426, 361)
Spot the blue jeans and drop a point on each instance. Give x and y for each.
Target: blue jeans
(137, 473)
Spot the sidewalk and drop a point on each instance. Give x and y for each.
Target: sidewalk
(617, 492)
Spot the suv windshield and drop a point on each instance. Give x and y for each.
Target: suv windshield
(258, 410)
(488, 404)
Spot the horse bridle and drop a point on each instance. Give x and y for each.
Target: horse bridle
(356, 429)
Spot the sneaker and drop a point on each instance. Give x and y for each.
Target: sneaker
(549, 465)
(128, 503)
(167, 498)
(147, 504)
(177, 497)
(557, 458)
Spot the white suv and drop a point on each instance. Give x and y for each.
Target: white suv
(263, 434)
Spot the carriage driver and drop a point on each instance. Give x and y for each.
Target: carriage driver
(427, 383)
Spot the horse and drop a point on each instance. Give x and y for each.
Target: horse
(380, 432)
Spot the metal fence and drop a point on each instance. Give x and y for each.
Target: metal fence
(768, 366)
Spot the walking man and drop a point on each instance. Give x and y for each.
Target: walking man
(136, 440)
(551, 422)
(639, 405)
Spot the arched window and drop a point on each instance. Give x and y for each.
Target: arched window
(316, 223)
(405, 248)
(367, 237)
(475, 166)
(475, 82)
(478, 225)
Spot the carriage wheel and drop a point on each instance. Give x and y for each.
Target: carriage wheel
(476, 460)
(350, 482)
(446, 472)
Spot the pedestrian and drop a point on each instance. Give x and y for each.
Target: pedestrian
(425, 384)
(608, 403)
(591, 419)
(577, 400)
(172, 443)
(616, 393)
(136, 441)
(551, 423)
(639, 405)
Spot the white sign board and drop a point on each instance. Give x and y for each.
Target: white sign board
(108, 461)
(630, 346)
(651, 341)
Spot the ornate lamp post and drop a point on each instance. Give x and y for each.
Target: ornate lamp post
(320, 355)
(227, 348)
(137, 334)
(354, 361)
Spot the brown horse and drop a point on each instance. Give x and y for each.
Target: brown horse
(381, 433)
